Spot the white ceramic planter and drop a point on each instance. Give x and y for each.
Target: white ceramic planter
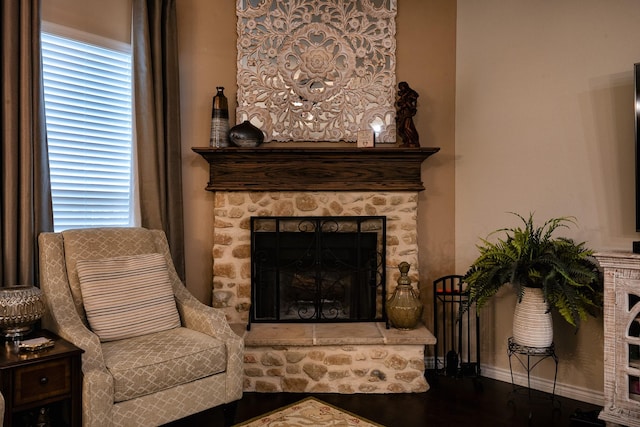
(532, 324)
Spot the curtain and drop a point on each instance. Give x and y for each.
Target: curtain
(25, 206)
(157, 121)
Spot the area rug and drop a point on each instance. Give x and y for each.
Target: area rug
(309, 412)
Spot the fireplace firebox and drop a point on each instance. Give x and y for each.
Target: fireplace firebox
(318, 269)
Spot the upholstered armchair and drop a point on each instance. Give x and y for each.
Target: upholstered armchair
(153, 352)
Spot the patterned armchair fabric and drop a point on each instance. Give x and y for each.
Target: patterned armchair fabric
(147, 380)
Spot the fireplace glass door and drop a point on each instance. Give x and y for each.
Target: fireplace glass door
(317, 269)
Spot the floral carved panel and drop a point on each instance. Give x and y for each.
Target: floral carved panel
(317, 70)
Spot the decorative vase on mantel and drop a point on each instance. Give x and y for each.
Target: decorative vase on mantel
(219, 120)
(404, 308)
(246, 135)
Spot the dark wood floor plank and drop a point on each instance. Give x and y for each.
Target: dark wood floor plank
(450, 402)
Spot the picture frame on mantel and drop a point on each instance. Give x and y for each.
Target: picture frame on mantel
(320, 71)
(366, 139)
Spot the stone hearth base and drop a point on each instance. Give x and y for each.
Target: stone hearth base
(334, 358)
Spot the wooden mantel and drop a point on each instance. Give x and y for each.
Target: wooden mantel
(315, 169)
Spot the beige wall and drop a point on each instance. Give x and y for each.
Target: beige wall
(110, 19)
(544, 123)
(426, 34)
(206, 41)
(425, 59)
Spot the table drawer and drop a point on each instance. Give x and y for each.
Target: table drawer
(42, 381)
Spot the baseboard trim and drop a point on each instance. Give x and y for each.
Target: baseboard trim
(565, 390)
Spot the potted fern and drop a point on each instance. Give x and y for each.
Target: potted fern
(546, 272)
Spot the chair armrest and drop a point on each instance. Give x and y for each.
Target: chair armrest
(61, 316)
(97, 398)
(80, 336)
(202, 318)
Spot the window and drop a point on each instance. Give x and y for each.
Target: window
(88, 104)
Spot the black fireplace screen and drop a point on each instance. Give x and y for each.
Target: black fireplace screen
(318, 269)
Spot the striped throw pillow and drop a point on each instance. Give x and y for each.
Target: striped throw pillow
(127, 296)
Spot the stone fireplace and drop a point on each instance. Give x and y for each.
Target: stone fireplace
(232, 235)
(352, 357)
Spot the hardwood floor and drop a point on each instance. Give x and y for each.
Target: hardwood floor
(450, 402)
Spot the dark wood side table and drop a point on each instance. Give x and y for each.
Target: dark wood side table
(45, 383)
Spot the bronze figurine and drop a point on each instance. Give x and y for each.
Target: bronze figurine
(407, 108)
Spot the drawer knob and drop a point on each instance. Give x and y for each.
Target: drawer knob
(44, 380)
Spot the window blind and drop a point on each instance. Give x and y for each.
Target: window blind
(88, 103)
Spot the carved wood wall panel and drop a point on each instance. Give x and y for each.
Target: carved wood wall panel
(317, 70)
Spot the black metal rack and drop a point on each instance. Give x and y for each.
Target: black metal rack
(542, 353)
(457, 330)
(522, 353)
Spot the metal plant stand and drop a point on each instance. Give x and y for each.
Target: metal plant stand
(524, 353)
